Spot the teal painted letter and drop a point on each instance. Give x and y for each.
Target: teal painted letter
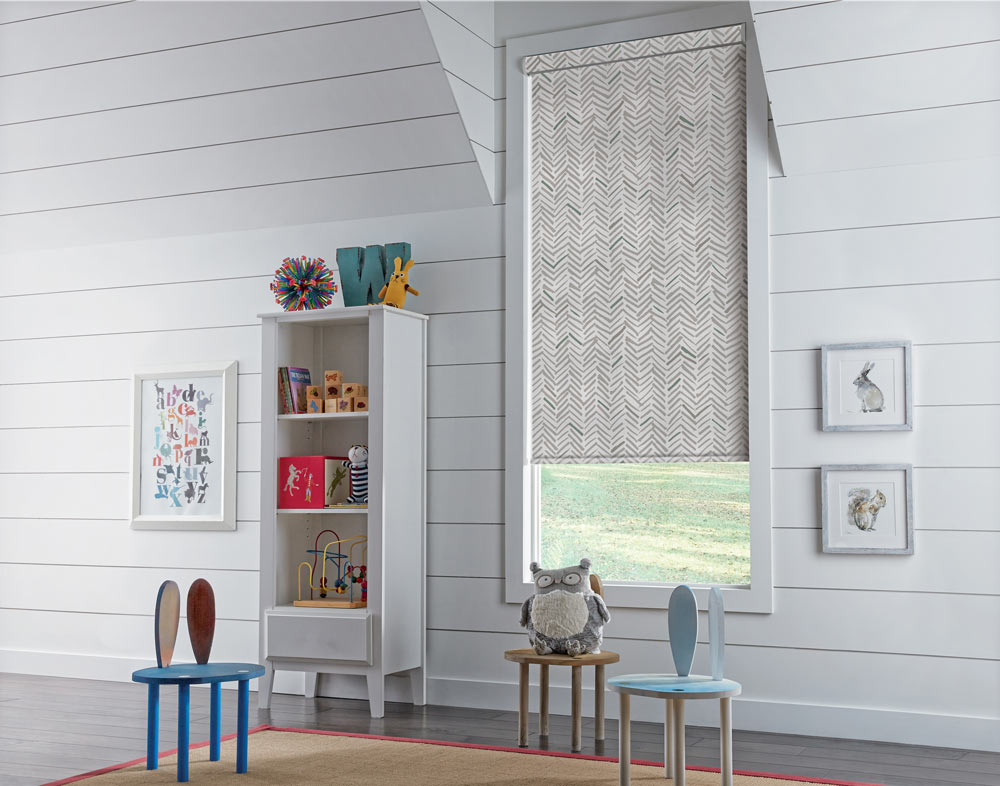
(393, 250)
(362, 274)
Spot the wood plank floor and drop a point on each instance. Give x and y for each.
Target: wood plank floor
(52, 728)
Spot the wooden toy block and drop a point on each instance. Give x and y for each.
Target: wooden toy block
(312, 391)
(314, 406)
(361, 404)
(333, 377)
(333, 391)
(353, 389)
(331, 404)
(345, 405)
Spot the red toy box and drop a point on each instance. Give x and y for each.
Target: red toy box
(312, 481)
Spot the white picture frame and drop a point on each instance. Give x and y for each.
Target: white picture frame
(867, 386)
(183, 447)
(867, 508)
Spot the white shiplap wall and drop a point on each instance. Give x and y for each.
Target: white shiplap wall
(857, 647)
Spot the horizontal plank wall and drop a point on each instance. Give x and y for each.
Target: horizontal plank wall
(136, 120)
(857, 646)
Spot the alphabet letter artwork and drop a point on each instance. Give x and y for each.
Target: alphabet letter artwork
(181, 446)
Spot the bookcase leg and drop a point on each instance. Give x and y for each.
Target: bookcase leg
(376, 695)
(312, 680)
(418, 685)
(264, 686)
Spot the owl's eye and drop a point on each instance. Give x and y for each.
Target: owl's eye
(571, 578)
(543, 581)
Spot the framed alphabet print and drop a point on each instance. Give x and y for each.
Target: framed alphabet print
(184, 447)
(867, 508)
(866, 387)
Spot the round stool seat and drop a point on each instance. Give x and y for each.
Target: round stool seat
(528, 655)
(663, 686)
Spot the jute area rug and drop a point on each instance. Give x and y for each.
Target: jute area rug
(280, 757)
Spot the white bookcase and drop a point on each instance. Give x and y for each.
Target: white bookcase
(386, 349)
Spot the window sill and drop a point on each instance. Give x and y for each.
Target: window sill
(744, 598)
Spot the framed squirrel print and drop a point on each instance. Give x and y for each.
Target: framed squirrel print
(867, 508)
(866, 387)
(184, 447)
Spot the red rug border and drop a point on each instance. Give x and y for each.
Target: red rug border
(452, 744)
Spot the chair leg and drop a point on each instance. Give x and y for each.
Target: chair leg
(543, 701)
(577, 702)
(215, 723)
(183, 730)
(153, 727)
(668, 741)
(679, 742)
(599, 703)
(242, 724)
(726, 740)
(522, 707)
(624, 740)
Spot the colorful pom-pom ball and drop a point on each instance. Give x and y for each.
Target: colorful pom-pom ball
(303, 283)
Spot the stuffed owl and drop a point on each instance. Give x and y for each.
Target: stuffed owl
(564, 615)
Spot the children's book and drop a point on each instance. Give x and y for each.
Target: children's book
(298, 380)
(284, 394)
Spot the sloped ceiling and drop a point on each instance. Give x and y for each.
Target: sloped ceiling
(463, 33)
(131, 120)
(855, 85)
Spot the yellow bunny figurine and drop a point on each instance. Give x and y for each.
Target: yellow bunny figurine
(394, 292)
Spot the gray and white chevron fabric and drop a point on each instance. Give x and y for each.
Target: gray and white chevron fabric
(638, 260)
(642, 47)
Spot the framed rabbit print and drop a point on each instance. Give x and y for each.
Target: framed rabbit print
(866, 387)
(867, 508)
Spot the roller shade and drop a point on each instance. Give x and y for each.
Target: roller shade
(638, 323)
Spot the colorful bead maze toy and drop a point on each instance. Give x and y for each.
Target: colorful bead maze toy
(350, 572)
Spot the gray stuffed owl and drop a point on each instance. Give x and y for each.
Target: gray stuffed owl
(564, 614)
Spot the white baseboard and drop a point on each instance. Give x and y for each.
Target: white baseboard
(863, 723)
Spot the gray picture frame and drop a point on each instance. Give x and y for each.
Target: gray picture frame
(825, 502)
(825, 356)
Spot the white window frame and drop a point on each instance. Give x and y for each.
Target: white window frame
(521, 504)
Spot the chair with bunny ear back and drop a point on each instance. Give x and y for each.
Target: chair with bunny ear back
(526, 657)
(675, 689)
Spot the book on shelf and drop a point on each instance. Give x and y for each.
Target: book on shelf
(298, 380)
(284, 392)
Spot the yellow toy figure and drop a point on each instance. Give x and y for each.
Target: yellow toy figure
(394, 292)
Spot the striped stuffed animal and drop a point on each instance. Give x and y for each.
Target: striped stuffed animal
(357, 461)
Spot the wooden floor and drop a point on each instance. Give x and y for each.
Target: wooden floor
(52, 728)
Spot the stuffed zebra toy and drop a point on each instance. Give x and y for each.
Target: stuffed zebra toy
(357, 461)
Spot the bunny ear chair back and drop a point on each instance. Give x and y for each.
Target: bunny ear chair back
(682, 623)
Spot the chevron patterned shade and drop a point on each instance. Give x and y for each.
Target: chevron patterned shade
(638, 251)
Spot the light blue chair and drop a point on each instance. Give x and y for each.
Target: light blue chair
(675, 689)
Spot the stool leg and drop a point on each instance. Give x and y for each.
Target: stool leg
(153, 727)
(624, 740)
(522, 708)
(215, 723)
(679, 774)
(599, 703)
(668, 741)
(242, 724)
(543, 702)
(577, 701)
(726, 739)
(183, 731)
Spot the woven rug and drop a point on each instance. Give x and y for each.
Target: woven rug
(282, 757)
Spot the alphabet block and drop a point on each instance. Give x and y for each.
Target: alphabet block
(354, 389)
(331, 404)
(314, 406)
(333, 377)
(345, 405)
(361, 404)
(312, 391)
(332, 391)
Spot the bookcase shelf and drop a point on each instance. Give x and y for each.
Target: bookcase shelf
(385, 349)
(325, 417)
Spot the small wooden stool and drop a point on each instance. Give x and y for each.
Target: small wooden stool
(599, 660)
(528, 656)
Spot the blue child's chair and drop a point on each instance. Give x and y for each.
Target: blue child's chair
(675, 689)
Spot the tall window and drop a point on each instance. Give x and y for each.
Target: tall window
(637, 308)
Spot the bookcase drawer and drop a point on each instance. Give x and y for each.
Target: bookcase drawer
(319, 636)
